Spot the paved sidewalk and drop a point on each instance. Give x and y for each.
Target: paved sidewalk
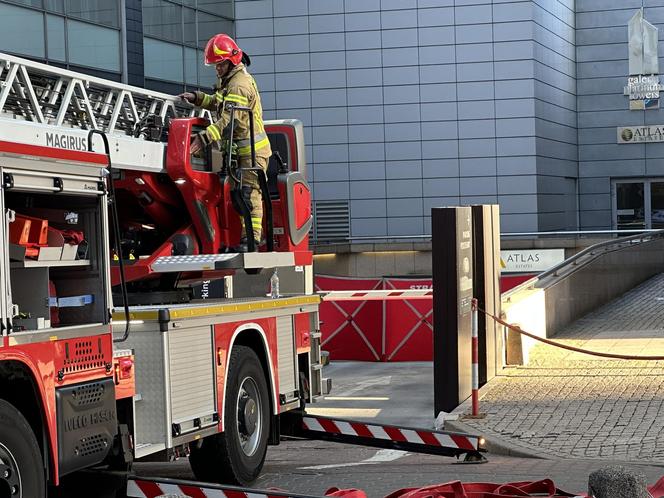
(566, 404)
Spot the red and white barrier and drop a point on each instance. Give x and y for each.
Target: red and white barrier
(475, 345)
(390, 433)
(154, 488)
(377, 295)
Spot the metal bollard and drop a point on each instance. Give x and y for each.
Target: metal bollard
(475, 393)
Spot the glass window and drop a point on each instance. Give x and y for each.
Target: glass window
(219, 7)
(55, 38)
(93, 46)
(29, 3)
(22, 31)
(162, 19)
(209, 25)
(99, 11)
(657, 205)
(207, 75)
(55, 5)
(630, 206)
(190, 66)
(189, 3)
(162, 60)
(189, 16)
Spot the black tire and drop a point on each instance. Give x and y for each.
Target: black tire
(223, 458)
(21, 463)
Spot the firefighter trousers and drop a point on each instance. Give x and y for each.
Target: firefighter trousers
(251, 192)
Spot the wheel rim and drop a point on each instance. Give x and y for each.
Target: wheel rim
(10, 477)
(249, 409)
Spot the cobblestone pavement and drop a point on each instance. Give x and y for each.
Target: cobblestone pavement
(566, 404)
(313, 467)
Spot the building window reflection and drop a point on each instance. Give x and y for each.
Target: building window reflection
(78, 34)
(97, 11)
(55, 36)
(164, 48)
(163, 60)
(175, 33)
(22, 31)
(93, 46)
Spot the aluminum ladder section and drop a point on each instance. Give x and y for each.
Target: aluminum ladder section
(52, 96)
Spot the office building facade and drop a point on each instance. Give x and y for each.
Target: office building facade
(535, 105)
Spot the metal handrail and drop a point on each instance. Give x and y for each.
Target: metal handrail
(632, 239)
(504, 234)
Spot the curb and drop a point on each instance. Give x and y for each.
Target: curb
(494, 444)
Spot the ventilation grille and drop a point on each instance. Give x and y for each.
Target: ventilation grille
(88, 394)
(331, 221)
(91, 445)
(82, 355)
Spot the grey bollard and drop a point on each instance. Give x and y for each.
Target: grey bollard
(617, 482)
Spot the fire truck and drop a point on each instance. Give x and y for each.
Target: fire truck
(130, 328)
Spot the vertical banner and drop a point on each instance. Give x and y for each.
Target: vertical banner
(452, 256)
(486, 287)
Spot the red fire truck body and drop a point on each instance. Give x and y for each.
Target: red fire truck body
(202, 360)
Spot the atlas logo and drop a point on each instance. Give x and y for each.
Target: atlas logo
(64, 141)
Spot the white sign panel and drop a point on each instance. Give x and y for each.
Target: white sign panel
(643, 84)
(530, 260)
(640, 134)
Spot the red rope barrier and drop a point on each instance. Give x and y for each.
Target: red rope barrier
(517, 329)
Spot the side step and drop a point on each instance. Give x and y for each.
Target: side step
(148, 487)
(226, 261)
(410, 439)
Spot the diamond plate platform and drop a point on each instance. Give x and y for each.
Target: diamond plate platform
(230, 261)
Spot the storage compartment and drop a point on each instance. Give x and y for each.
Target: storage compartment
(175, 384)
(56, 260)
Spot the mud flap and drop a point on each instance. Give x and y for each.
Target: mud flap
(87, 424)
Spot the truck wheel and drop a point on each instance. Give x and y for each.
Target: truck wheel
(21, 465)
(236, 456)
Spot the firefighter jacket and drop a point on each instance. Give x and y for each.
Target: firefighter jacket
(239, 88)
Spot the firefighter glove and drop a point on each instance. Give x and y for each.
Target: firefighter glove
(188, 96)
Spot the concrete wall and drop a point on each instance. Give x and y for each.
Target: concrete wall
(410, 104)
(555, 113)
(550, 305)
(602, 70)
(411, 258)
(600, 281)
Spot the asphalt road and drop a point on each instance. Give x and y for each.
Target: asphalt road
(400, 394)
(311, 468)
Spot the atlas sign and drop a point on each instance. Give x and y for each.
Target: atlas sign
(640, 134)
(530, 260)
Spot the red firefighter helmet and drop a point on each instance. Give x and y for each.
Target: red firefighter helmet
(221, 48)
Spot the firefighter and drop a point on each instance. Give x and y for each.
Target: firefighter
(235, 87)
